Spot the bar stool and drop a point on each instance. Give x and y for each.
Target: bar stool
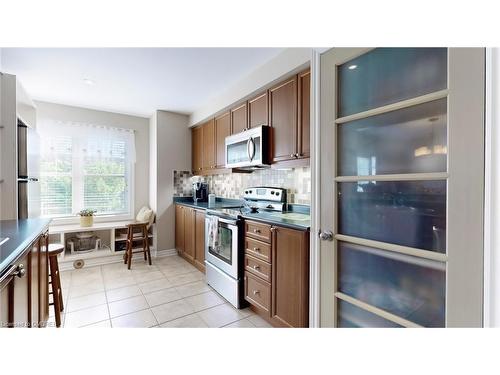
(55, 281)
(137, 232)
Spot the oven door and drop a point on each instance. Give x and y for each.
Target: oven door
(225, 256)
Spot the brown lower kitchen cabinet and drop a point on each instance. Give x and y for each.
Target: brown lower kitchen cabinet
(24, 300)
(190, 235)
(277, 273)
(179, 229)
(199, 254)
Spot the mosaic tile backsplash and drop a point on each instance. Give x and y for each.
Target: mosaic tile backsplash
(296, 181)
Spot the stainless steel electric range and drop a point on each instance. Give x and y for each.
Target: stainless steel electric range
(224, 240)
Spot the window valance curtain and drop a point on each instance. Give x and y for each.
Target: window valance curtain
(92, 140)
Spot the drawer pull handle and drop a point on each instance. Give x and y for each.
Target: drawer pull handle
(256, 292)
(256, 268)
(257, 249)
(256, 230)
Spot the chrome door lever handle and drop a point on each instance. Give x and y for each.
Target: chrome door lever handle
(326, 235)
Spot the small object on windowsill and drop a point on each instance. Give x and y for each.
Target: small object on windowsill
(86, 217)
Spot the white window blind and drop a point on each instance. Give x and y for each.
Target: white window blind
(85, 166)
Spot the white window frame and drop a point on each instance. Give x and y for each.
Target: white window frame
(77, 197)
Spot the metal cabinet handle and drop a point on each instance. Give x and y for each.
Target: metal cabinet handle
(256, 292)
(256, 230)
(256, 249)
(256, 268)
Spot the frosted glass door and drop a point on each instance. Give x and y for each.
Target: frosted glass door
(407, 186)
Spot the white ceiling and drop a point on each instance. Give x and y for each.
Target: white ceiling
(134, 81)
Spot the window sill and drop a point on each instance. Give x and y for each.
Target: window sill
(97, 219)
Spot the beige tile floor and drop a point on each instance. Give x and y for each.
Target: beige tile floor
(170, 293)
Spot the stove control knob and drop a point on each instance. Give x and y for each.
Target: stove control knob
(277, 193)
(246, 191)
(272, 192)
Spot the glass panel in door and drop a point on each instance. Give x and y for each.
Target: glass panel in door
(350, 316)
(407, 213)
(237, 152)
(224, 250)
(409, 287)
(388, 75)
(409, 140)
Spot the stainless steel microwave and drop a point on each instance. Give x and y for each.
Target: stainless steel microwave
(249, 149)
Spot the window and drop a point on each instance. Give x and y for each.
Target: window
(85, 166)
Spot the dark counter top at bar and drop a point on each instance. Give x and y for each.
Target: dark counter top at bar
(264, 216)
(20, 234)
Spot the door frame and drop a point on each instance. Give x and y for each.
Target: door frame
(317, 301)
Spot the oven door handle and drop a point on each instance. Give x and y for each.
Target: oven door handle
(226, 221)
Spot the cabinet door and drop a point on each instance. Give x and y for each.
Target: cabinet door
(304, 100)
(197, 149)
(239, 119)
(283, 103)
(189, 233)
(222, 130)
(258, 111)
(6, 302)
(199, 256)
(290, 278)
(22, 295)
(43, 280)
(34, 281)
(179, 229)
(209, 145)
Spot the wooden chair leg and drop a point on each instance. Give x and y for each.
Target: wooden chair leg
(59, 286)
(55, 288)
(148, 251)
(129, 255)
(144, 241)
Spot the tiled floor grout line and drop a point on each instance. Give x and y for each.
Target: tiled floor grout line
(150, 307)
(106, 298)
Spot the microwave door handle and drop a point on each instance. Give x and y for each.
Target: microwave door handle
(251, 148)
(248, 149)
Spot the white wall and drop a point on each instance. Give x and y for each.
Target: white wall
(173, 152)
(492, 193)
(288, 61)
(139, 124)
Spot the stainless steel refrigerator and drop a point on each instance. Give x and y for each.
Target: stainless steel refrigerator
(28, 172)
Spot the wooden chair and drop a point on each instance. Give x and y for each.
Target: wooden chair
(137, 232)
(55, 281)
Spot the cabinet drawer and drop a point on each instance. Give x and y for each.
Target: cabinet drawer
(258, 267)
(258, 249)
(258, 230)
(257, 292)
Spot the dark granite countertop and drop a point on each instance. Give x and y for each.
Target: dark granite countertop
(296, 217)
(20, 234)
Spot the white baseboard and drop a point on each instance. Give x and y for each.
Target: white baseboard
(114, 258)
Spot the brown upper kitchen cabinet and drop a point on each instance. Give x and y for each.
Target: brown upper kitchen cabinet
(209, 145)
(197, 149)
(258, 111)
(222, 130)
(304, 89)
(239, 118)
(290, 278)
(283, 120)
(199, 254)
